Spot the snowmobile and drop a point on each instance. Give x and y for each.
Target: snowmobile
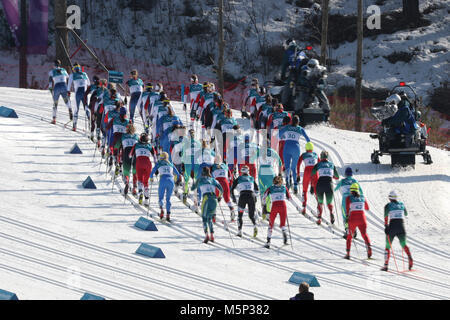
(402, 148)
(311, 113)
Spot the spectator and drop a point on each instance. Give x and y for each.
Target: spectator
(304, 293)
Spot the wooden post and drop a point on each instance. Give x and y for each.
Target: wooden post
(60, 9)
(221, 49)
(358, 82)
(23, 64)
(324, 37)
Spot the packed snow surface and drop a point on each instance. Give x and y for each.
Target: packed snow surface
(58, 240)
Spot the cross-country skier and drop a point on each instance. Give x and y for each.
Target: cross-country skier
(344, 186)
(135, 88)
(278, 194)
(92, 90)
(250, 100)
(80, 81)
(309, 158)
(100, 93)
(119, 126)
(144, 107)
(291, 151)
(166, 171)
(206, 189)
(190, 157)
(356, 204)
(164, 127)
(248, 190)
(223, 175)
(142, 152)
(268, 160)
(394, 216)
(265, 111)
(129, 139)
(57, 84)
(248, 155)
(327, 171)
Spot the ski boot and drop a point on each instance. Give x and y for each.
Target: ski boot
(141, 197)
(103, 152)
(331, 218)
(319, 220)
(116, 171)
(125, 190)
(206, 239)
(369, 251)
(134, 191)
(410, 263)
(295, 189)
(168, 216)
(211, 237)
(161, 215)
(70, 115)
(110, 162)
(239, 233)
(53, 121)
(255, 231)
(267, 245)
(285, 239)
(185, 198)
(303, 212)
(233, 215)
(74, 128)
(347, 256)
(384, 268)
(311, 190)
(146, 202)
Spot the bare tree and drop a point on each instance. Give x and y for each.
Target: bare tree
(411, 11)
(358, 79)
(60, 9)
(221, 49)
(323, 44)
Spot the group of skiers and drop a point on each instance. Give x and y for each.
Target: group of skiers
(223, 159)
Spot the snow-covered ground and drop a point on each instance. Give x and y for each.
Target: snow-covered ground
(58, 240)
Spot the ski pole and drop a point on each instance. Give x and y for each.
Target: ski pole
(226, 224)
(149, 195)
(289, 229)
(392, 250)
(337, 216)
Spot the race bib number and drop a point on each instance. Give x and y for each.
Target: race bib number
(207, 188)
(141, 152)
(279, 196)
(128, 143)
(357, 206)
(292, 136)
(220, 173)
(165, 170)
(135, 88)
(244, 186)
(120, 129)
(325, 172)
(310, 162)
(396, 214)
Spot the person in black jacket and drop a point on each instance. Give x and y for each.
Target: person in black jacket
(304, 293)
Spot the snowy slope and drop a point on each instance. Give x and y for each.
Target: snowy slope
(58, 240)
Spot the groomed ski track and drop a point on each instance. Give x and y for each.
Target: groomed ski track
(59, 240)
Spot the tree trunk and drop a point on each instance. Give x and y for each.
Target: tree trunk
(358, 82)
(323, 44)
(221, 50)
(60, 9)
(411, 11)
(23, 65)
